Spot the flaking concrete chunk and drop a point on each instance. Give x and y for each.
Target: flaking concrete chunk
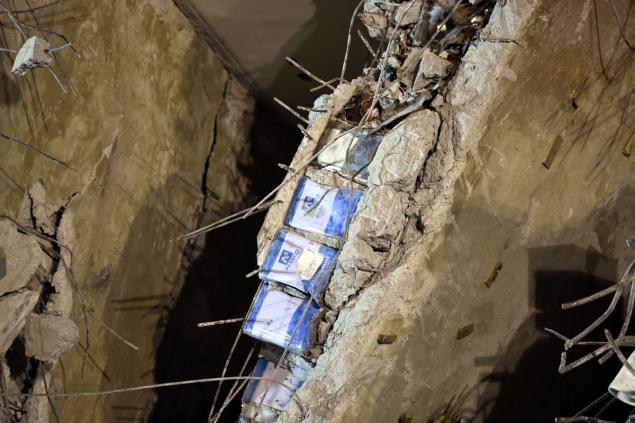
(380, 217)
(23, 258)
(400, 156)
(13, 311)
(33, 54)
(408, 13)
(376, 23)
(355, 267)
(47, 337)
(432, 65)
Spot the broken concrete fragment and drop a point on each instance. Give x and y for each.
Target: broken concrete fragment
(400, 156)
(47, 337)
(447, 5)
(23, 258)
(433, 65)
(408, 13)
(43, 209)
(359, 255)
(380, 217)
(376, 23)
(61, 301)
(407, 72)
(373, 6)
(355, 267)
(13, 311)
(34, 53)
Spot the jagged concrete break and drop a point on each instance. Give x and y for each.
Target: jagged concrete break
(156, 133)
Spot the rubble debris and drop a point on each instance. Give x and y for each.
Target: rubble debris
(493, 274)
(276, 316)
(265, 398)
(34, 53)
(350, 154)
(322, 209)
(433, 65)
(295, 261)
(47, 337)
(14, 309)
(408, 70)
(408, 13)
(23, 259)
(376, 23)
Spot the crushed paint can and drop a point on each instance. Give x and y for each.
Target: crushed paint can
(298, 262)
(322, 209)
(273, 390)
(623, 386)
(275, 316)
(360, 147)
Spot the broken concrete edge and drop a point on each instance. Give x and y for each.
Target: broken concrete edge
(28, 309)
(47, 337)
(465, 105)
(23, 259)
(14, 309)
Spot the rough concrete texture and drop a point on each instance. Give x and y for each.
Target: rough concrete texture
(485, 197)
(47, 337)
(23, 257)
(380, 217)
(403, 150)
(36, 409)
(432, 65)
(355, 267)
(156, 130)
(14, 308)
(10, 387)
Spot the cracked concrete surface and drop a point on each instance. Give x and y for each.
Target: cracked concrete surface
(153, 102)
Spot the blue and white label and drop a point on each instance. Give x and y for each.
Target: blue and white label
(295, 261)
(276, 315)
(322, 209)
